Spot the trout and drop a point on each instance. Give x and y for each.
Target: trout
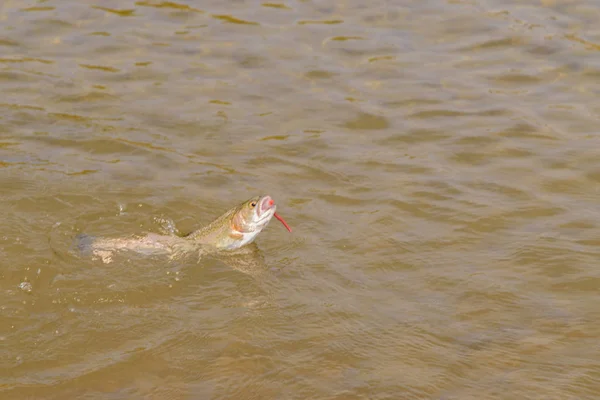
(236, 228)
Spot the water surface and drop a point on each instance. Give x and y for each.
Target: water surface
(437, 160)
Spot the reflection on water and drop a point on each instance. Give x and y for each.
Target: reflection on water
(438, 161)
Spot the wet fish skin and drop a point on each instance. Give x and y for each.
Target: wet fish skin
(237, 227)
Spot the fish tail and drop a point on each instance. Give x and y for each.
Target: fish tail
(84, 242)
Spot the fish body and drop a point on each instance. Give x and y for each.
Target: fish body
(234, 229)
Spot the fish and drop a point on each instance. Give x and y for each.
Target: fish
(240, 225)
(236, 228)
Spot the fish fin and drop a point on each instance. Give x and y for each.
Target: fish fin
(84, 242)
(236, 235)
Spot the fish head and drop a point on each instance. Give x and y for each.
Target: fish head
(252, 217)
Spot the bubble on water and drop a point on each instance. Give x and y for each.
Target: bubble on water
(167, 225)
(26, 287)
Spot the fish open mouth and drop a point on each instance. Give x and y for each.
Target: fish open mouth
(266, 203)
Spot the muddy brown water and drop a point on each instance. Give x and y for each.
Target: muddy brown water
(439, 162)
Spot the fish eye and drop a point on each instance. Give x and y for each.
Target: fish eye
(253, 204)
